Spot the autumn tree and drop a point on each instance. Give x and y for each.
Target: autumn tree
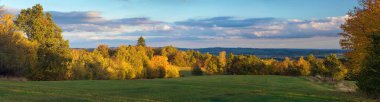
(121, 56)
(211, 64)
(179, 59)
(197, 70)
(230, 60)
(357, 31)
(336, 69)
(360, 32)
(170, 52)
(141, 42)
(103, 50)
(137, 58)
(270, 66)
(191, 58)
(119, 70)
(369, 78)
(53, 51)
(243, 65)
(222, 62)
(160, 68)
(98, 65)
(317, 66)
(79, 69)
(285, 66)
(17, 53)
(303, 66)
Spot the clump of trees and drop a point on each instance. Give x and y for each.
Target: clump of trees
(53, 53)
(127, 62)
(18, 55)
(329, 67)
(361, 36)
(43, 54)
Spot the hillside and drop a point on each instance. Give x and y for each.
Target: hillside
(202, 88)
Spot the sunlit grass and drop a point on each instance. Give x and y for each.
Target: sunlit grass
(194, 88)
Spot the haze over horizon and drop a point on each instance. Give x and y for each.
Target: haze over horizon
(197, 23)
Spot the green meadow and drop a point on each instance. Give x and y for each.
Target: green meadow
(193, 88)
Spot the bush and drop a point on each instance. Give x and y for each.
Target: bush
(336, 69)
(171, 72)
(196, 70)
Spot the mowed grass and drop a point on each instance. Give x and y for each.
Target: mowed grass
(195, 88)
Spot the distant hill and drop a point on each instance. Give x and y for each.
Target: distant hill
(272, 52)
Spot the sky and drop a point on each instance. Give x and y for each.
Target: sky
(197, 23)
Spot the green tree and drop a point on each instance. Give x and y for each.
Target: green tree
(141, 41)
(53, 51)
(317, 66)
(369, 77)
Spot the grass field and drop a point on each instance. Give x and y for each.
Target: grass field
(194, 88)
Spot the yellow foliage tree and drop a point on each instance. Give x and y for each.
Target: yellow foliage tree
(222, 62)
(17, 53)
(160, 67)
(303, 66)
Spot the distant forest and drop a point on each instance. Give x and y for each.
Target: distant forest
(276, 53)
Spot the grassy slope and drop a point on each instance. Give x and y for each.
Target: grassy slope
(202, 88)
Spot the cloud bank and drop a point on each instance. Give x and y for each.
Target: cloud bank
(87, 29)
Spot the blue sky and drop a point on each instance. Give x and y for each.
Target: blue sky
(197, 23)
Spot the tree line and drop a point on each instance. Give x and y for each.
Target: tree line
(329, 67)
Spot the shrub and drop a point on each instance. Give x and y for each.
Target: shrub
(336, 69)
(196, 70)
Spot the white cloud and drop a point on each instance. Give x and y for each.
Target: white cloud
(9, 10)
(314, 42)
(266, 33)
(330, 23)
(216, 32)
(277, 31)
